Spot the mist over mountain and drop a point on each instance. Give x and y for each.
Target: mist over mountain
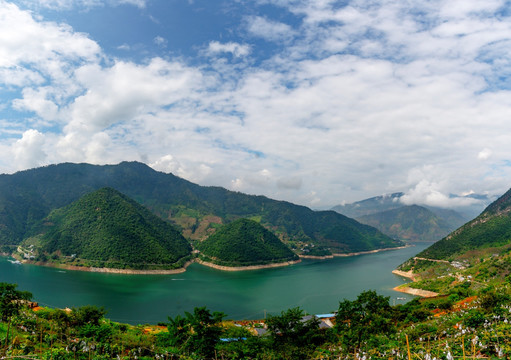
(405, 222)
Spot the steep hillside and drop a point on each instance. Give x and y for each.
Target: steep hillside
(490, 229)
(245, 242)
(27, 197)
(477, 255)
(107, 229)
(409, 223)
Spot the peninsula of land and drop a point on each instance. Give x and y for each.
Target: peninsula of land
(409, 290)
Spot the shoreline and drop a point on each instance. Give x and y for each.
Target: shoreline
(406, 274)
(372, 251)
(324, 257)
(409, 290)
(244, 268)
(204, 263)
(110, 270)
(416, 292)
(318, 257)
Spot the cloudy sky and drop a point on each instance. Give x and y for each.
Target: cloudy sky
(316, 102)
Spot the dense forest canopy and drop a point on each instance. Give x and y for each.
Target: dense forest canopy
(245, 242)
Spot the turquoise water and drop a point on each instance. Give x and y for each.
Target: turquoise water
(316, 286)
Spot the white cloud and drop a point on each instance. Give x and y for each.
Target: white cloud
(87, 4)
(269, 29)
(29, 150)
(46, 45)
(160, 41)
(126, 90)
(167, 164)
(237, 50)
(38, 102)
(357, 101)
(484, 154)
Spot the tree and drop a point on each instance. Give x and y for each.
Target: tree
(357, 321)
(196, 333)
(293, 333)
(88, 314)
(11, 300)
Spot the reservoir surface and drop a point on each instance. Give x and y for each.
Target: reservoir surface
(316, 286)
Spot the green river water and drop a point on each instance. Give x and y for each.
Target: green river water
(316, 286)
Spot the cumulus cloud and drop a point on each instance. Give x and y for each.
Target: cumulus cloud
(352, 102)
(237, 50)
(126, 90)
(269, 29)
(29, 150)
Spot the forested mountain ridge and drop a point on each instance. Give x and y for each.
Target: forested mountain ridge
(28, 196)
(490, 229)
(107, 229)
(244, 242)
(477, 254)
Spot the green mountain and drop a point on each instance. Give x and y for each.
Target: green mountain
(27, 197)
(245, 242)
(107, 229)
(475, 257)
(491, 229)
(409, 223)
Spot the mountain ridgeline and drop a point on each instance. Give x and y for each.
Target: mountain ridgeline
(491, 229)
(107, 229)
(404, 222)
(29, 196)
(409, 223)
(244, 243)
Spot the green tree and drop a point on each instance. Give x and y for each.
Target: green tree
(196, 333)
(357, 321)
(294, 334)
(11, 300)
(88, 314)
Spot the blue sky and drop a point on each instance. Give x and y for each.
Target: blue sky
(315, 102)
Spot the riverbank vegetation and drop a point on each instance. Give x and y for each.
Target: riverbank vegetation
(464, 323)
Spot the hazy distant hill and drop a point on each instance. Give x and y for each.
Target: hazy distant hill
(370, 206)
(28, 196)
(490, 229)
(393, 201)
(245, 242)
(111, 230)
(409, 223)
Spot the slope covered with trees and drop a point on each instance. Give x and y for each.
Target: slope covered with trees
(245, 242)
(491, 229)
(107, 229)
(28, 196)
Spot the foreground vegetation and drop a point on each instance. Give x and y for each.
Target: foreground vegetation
(463, 324)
